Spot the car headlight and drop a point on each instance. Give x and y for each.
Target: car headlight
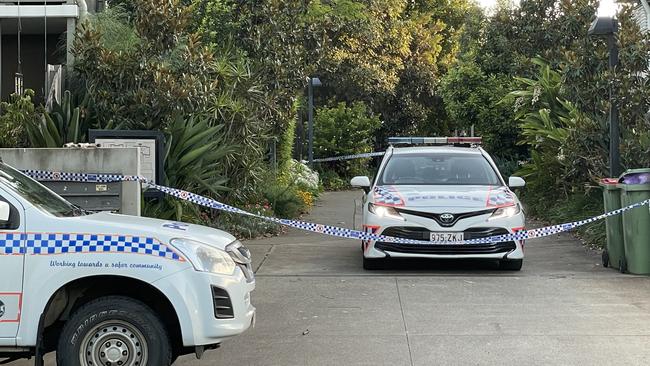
(504, 212)
(384, 211)
(205, 258)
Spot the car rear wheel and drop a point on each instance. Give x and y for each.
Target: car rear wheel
(114, 330)
(373, 263)
(511, 264)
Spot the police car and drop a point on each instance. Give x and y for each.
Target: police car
(108, 289)
(440, 189)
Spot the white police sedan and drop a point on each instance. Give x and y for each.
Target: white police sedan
(440, 189)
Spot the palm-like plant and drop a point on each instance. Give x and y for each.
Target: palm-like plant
(567, 145)
(194, 161)
(65, 123)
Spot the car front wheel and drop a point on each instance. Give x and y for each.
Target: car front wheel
(114, 330)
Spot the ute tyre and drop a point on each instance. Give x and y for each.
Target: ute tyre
(372, 264)
(114, 330)
(511, 264)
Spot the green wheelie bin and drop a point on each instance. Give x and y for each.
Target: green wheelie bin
(614, 252)
(635, 187)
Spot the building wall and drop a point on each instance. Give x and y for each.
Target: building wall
(125, 161)
(33, 61)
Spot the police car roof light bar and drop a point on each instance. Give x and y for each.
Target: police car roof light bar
(435, 140)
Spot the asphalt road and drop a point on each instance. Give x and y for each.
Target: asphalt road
(317, 306)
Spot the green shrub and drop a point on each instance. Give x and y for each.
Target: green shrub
(249, 227)
(144, 68)
(575, 207)
(568, 147)
(287, 139)
(345, 130)
(193, 162)
(300, 175)
(508, 167)
(333, 182)
(67, 122)
(19, 112)
(285, 200)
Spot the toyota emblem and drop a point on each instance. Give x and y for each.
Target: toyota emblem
(447, 218)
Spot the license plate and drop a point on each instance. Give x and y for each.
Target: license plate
(447, 236)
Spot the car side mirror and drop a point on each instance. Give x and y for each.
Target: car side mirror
(516, 182)
(361, 182)
(5, 212)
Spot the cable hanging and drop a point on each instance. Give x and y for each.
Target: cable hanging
(18, 78)
(46, 90)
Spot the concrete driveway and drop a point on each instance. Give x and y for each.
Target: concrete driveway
(317, 306)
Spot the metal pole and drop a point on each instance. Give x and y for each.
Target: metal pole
(614, 131)
(311, 123)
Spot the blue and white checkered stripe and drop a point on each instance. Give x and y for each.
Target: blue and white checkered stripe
(500, 198)
(11, 243)
(387, 196)
(333, 230)
(69, 243)
(350, 157)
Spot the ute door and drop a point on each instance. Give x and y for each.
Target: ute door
(12, 252)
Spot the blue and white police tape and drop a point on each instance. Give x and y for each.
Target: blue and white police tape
(350, 157)
(319, 228)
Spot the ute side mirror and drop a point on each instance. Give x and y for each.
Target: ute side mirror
(361, 182)
(5, 212)
(516, 182)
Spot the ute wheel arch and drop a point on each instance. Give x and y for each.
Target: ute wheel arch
(84, 290)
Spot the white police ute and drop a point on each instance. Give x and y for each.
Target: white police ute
(108, 289)
(442, 189)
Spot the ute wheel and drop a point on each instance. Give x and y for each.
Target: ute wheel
(371, 264)
(605, 258)
(622, 265)
(511, 264)
(114, 330)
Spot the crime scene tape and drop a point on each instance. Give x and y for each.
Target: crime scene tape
(319, 228)
(350, 157)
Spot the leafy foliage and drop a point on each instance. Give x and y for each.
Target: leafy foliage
(144, 68)
(65, 123)
(284, 200)
(194, 158)
(15, 115)
(247, 227)
(567, 147)
(473, 98)
(345, 130)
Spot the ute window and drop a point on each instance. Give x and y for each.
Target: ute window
(14, 217)
(37, 194)
(439, 169)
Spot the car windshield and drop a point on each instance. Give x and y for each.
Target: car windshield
(37, 194)
(439, 169)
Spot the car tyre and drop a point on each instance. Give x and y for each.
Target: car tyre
(114, 330)
(511, 264)
(372, 264)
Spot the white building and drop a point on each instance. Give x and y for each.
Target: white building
(642, 15)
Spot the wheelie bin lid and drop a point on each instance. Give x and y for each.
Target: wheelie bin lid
(609, 184)
(635, 180)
